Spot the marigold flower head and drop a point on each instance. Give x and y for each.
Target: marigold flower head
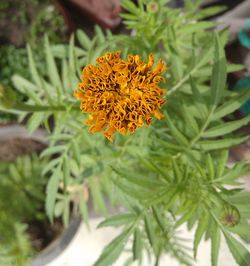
(121, 95)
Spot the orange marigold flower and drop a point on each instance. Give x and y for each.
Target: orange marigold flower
(121, 95)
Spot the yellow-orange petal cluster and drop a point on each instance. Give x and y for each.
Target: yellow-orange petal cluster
(121, 95)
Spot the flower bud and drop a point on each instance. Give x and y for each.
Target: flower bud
(153, 7)
(230, 216)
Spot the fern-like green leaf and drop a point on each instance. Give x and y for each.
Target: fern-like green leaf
(232, 105)
(201, 228)
(209, 145)
(137, 245)
(113, 250)
(239, 252)
(118, 220)
(52, 68)
(215, 245)
(226, 128)
(218, 74)
(51, 193)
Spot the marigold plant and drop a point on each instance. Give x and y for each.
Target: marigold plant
(172, 174)
(121, 95)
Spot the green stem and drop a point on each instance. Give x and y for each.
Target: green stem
(41, 108)
(190, 73)
(206, 123)
(178, 85)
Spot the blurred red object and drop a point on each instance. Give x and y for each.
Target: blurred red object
(102, 12)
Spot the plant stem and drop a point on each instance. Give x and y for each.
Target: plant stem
(41, 108)
(206, 123)
(190, 73)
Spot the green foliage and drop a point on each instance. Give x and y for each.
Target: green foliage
(17, 251)
(12, 60)
(47, 20)
(21, 201)
(175, 172)
(33, 18)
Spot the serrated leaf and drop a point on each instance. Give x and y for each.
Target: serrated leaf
(176, 132)
(232, 105)
(138, 179)
(83, 39)
(76, 152)
(209, 145)
(186, 216)
(176, 65)
(215, 245)
(210, 228)
(83, 207)
(192, 6)
(224, 36)
(191, 220)
(35, 120)
(61, 51)
(159, 218)
(58, 210)
(118, 220)
(99, 34)
(60, 137)
(51, 193)
(32, 67)
(66, 172)
(137, 245)
(128, 16)
(53, 150)
(49, 91)
(242, 197)
(96, 51)
(190, 120)
(52, 68)
(167, 196)
(244, 211)
(170, 146)
(219, 75)
(239, 169)
(96, 194)
(14, 172)
(210, 11)
(130, 6)
(243, 230)
(198, 26)
(210, 166)
(222, 162)
(234, 68)
(149, 230)
(177, 171)
(150, 165)
(204, 59)
(226, 128)
(26, 87)
(239, 252)
(113, 250)
(50, 166)
(132, 191)
(201, 228)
